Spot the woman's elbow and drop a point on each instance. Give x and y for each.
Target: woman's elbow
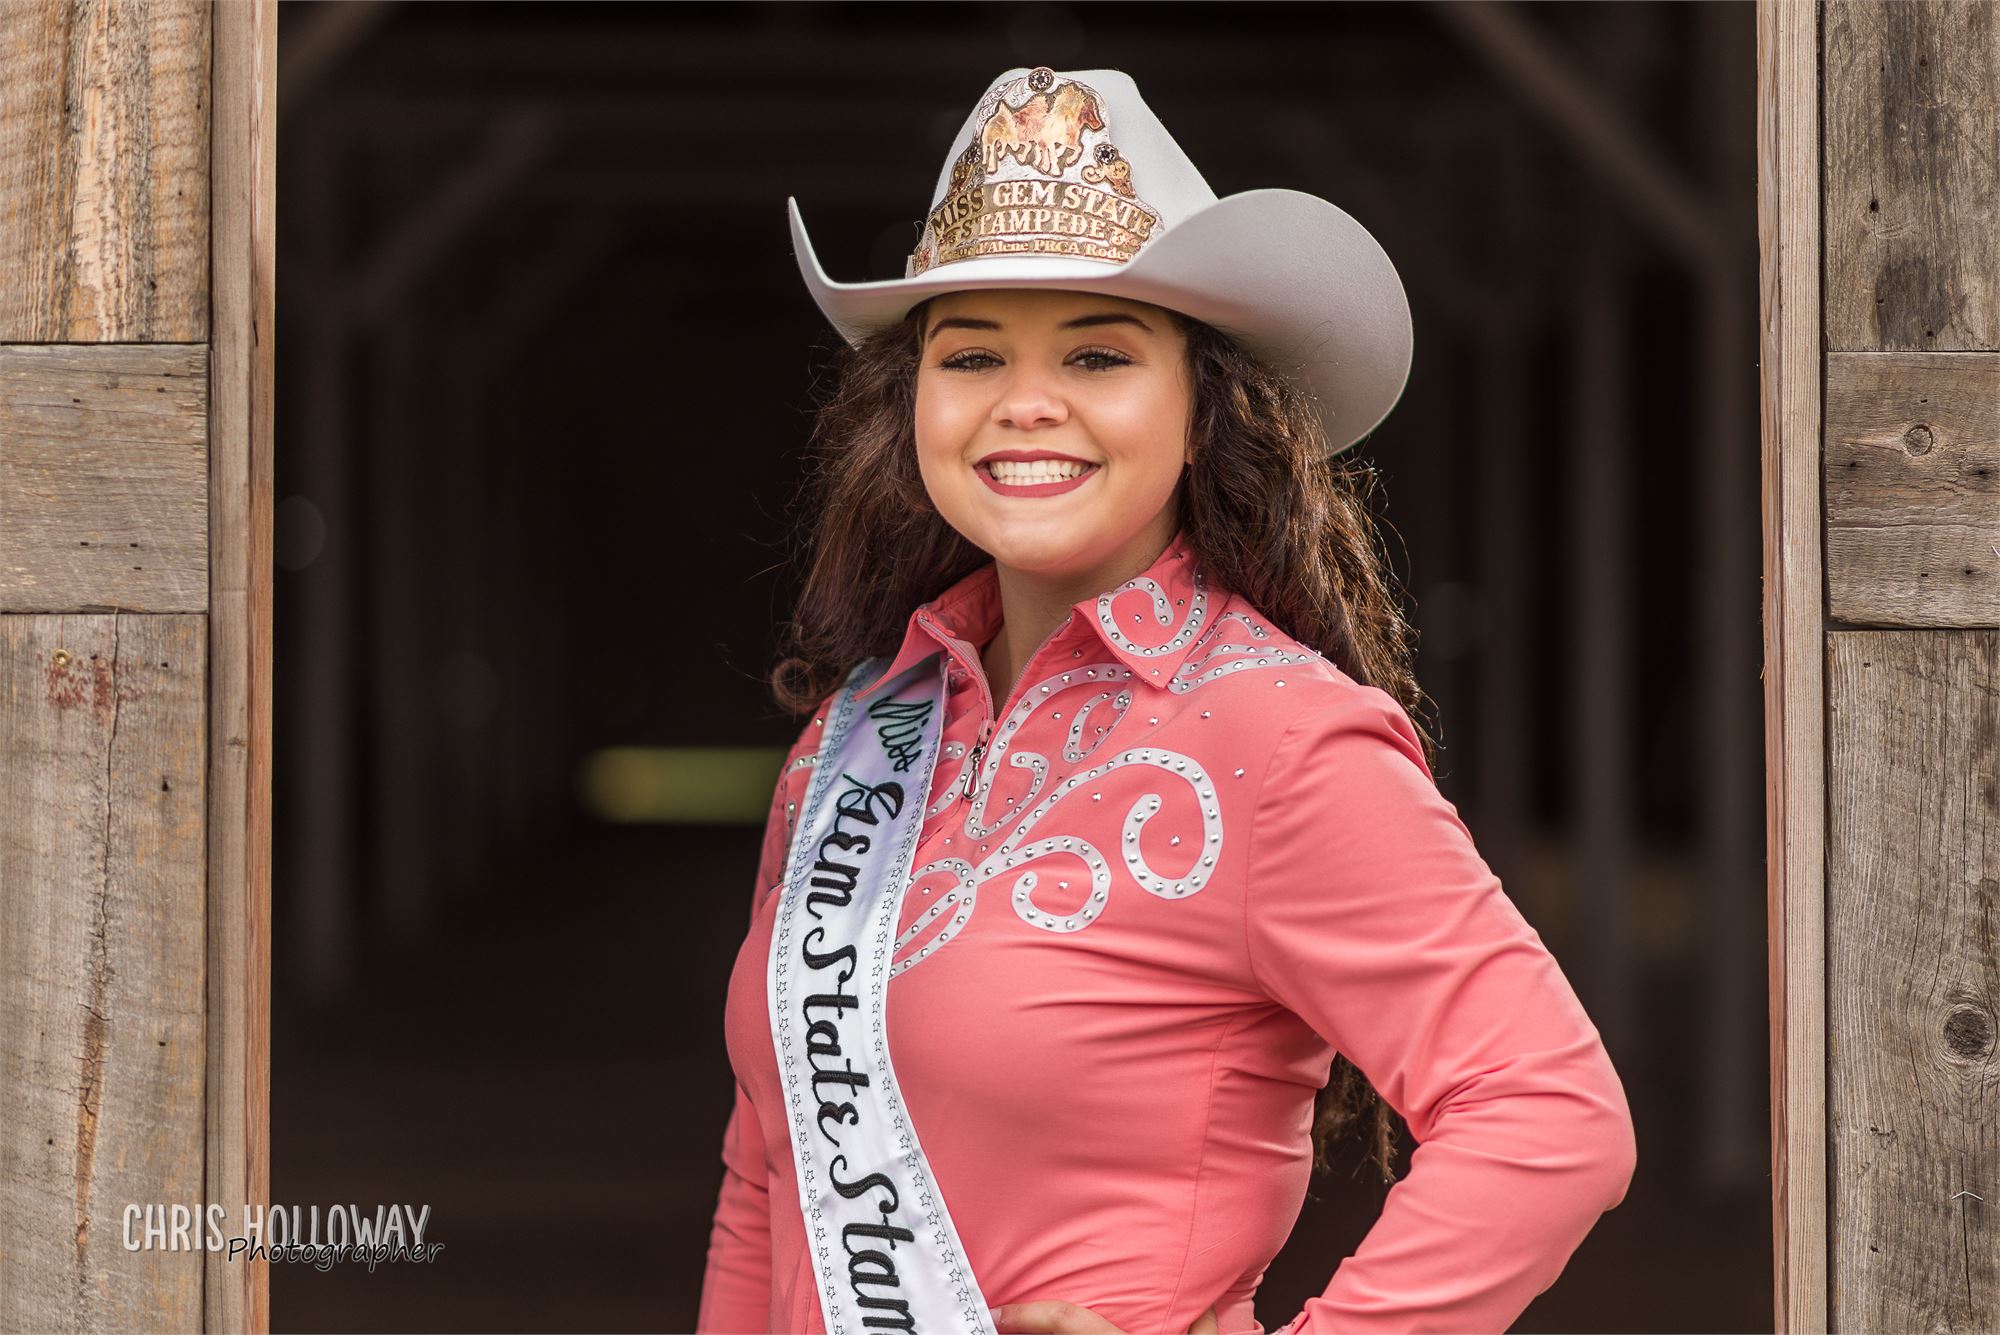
(1617, 1158)
(1601, 1148)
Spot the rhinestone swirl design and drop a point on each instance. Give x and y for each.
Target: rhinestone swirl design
(1092, 699)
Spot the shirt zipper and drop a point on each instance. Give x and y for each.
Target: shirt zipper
(970, 788)
(979, 749)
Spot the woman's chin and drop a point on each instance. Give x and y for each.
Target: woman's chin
(1056, 546)
(1050, 525)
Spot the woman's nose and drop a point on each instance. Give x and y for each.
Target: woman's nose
(1029, 399)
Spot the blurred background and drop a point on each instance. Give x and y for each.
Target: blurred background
(545, 368)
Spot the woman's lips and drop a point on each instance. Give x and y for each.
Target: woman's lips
(1036, 488)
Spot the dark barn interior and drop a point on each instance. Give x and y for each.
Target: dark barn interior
(545, 370)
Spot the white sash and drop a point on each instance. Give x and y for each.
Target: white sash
(884, 1250)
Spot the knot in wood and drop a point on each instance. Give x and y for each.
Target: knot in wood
(1968, 1032)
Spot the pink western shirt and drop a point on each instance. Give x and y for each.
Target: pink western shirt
(1114, 1085)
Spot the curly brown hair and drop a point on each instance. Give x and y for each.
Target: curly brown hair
(1268, 511)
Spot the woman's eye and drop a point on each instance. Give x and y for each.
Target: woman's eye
(1096, 359)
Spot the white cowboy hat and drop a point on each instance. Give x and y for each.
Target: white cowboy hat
(1068, 180)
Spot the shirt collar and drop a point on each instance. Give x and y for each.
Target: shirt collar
(1151, 641)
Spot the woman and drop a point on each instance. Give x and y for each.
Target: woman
(1110, 768)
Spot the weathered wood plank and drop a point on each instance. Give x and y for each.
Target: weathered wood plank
(1913, 889)
(241, 487)
(1913, 488)
(103, 478)
(102, 778)
(1912, 116)
(1788, 238)
(104, 171)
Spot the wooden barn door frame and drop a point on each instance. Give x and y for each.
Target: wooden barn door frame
(1790, 362)
(242, 276)
(243, 257)
(243, 272)
(1788, 234)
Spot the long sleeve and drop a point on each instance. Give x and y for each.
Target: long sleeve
(1373, 918)
(736, 1285)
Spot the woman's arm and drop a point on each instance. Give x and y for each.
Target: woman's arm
(736, 1286)
(1373, 917)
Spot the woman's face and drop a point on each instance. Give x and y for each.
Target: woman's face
(1052, 426)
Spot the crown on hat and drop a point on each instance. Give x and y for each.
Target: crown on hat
(1041, 175)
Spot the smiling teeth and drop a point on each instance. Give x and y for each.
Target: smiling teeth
(1039, 470)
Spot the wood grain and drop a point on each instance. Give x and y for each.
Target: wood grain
(104, 171)
(1912, 175)
(1913, 887)
(1913, 488)
(241, 491)
(101, 977)
(103, 478)
(1788, 215)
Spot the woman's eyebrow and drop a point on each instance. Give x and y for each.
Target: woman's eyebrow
(1108, 317)
(1080, 322)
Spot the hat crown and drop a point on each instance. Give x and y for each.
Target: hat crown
(1069, 164)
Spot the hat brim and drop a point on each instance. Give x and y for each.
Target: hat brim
(1291, 276)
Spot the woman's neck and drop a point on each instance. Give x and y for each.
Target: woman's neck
(1032, 606)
